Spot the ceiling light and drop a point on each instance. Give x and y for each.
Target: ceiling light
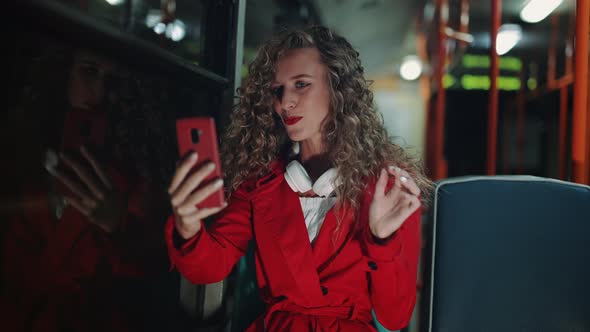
(411, 68)
(176, 30)
(536, 10)
(115, 2)
(160, 28)
(508, 36)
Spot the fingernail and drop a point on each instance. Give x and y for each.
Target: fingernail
(211, 166)
(403, 179)
(395, 169)
(51, 159)
(193, 156)
(50, 169)
(218, 183)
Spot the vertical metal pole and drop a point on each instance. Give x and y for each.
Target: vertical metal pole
(425, 93)
(493, 98)
(464, 19)
(588, 132)
(563, 96)
(506, 146)
(579, 136)
(588, 137)
(552, 52)
(240, 28)
(569, 46)
(521, 114)
(552, 82)
(440, 167)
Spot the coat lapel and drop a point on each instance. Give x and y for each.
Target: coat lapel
(278, 211)
(331, 237)
(278, 215)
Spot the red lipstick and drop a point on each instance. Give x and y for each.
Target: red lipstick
(291, 120)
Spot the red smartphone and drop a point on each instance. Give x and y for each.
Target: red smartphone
(198, 135)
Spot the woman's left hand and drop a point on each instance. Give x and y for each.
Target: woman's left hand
(389, 210)
(94, 195)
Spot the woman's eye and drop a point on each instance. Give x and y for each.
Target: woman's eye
(300, 85)
(277, 91)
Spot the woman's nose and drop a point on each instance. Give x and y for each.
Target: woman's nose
(289, 101)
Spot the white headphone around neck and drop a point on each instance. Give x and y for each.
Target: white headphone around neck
(299, 180)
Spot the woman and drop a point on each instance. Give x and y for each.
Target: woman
(336, 230)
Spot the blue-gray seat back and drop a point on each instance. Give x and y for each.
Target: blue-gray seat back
(509, 253)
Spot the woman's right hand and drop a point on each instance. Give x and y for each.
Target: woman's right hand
(184, 198)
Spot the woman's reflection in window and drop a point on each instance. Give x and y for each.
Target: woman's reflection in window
(85, 236)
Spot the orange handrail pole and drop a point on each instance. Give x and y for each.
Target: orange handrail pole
(493, 97)
(579, 135)
(552, 52)
(588, 125)
(464, 19)
(588, 135)
(563, 96)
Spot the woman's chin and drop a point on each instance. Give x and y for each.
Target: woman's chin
(295, 136)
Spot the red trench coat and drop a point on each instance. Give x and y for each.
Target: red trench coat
(330, 285)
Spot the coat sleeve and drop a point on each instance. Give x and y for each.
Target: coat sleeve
(393, 267)
(210, 255)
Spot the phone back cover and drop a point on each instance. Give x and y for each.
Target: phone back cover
(206, 148)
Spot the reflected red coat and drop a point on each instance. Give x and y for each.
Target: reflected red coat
(331, 285)
(67, 275)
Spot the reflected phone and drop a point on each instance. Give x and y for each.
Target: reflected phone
(197, 134)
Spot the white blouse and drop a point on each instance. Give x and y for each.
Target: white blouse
(314, 211)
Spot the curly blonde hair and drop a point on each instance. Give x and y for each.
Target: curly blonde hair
(358, 145)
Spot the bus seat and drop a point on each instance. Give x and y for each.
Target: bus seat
(508, 253)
